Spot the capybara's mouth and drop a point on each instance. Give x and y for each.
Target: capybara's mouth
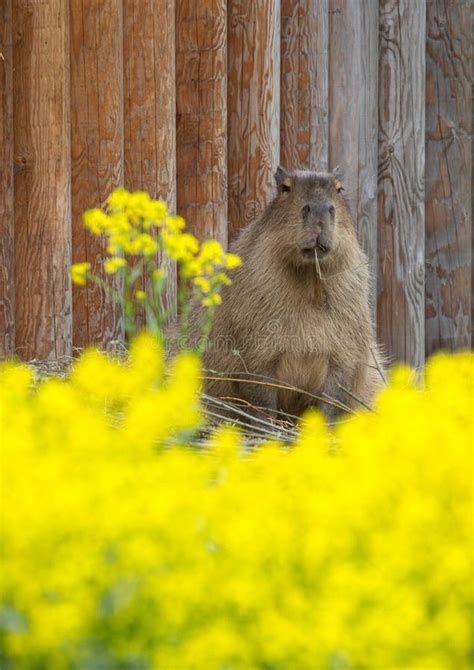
(320, 249)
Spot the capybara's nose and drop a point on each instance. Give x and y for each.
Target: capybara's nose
(317, 214)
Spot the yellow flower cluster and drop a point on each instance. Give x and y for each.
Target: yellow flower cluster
(350, 549)
(79, 273)
(136, 225)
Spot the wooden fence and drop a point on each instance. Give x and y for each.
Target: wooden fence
(197, 101)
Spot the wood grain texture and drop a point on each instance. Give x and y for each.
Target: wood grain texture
(401, 240)
(42, 178)
(7, 231)
(97, 153)
(353, 115)
(448, 175)
(304, 84)
(201, 107)
(253, 107)
(149, 108)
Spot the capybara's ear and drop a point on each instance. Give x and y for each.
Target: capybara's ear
(284, 181)
(337, 176)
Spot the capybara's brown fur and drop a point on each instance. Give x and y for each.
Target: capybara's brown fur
(284, 322)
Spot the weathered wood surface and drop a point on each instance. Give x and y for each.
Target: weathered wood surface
(201, 122)
(149, 108)
(401, 285)
(253, 107)
(42, 178)
(353, 115)
(304, 84)
(197, 103)
(97, 153)
(7, 232)
(448, 175)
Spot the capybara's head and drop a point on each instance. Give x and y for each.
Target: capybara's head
(314, 216)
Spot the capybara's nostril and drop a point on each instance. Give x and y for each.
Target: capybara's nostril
(332, 210)
(306, 210)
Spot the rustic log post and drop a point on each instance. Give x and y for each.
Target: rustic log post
(253, 107)
(42, 178)
(304, 84)
(7, 230)
(448, 176)
(401, 216)
(97, 153)
(353, 115)
(149, 108)
(201, 106)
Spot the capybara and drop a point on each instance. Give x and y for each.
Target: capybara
(297, 313)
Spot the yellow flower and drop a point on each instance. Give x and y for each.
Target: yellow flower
(96, 220)
(221, 279)
(111, 265)
(140, 295)
(232, 261)
(119, 199)
(157, 211)
(211, 250)
(79, 273)
(203, 284)
(144, 244)
(211, 300)
(174, 224)
(181, 247)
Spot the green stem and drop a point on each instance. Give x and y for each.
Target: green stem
(112, 292)
(129, 306)
(156, 310)
(206, 330)
(184, 309)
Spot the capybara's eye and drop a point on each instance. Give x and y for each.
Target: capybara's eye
(306, 210)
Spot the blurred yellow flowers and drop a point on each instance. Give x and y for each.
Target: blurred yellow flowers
(350, 549)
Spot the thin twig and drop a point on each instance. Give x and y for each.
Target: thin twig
(293, 417)
(239, 355)
(334, 274)
(338, 403)
(377, 365)
(354, 397)
(325, 399)
(316, 262)
(251, 427)
(245, 414)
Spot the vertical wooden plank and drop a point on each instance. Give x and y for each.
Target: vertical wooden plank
(42, 178)
(201, 106)
(448, 175)
(401, 242)
(97, 152)
(149, 106)
(7, 232)
(353, 114)
(304, 84)
(253, 107)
